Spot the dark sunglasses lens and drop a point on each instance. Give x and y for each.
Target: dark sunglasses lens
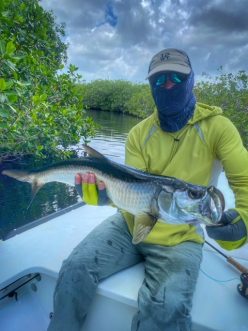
(161, 80)
(178, 78)
(174, 77)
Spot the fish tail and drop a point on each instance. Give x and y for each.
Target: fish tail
(23, 176)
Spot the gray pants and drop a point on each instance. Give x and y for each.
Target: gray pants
(165, 297)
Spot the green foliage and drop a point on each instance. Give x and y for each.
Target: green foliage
(35, 34)
(141, 103)
(230, 92)
(40, 109)
(108, 95)
(120, 96)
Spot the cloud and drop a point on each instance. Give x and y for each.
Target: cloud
(116, 39)
(222, 16)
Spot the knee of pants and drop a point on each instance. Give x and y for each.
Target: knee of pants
(75, 288)
(177, 305)
(75, 271)
(165, 306)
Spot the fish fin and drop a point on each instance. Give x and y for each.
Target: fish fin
(36, 186)
(143, 224)
(25, 176)
(20, 175)
(93, 153)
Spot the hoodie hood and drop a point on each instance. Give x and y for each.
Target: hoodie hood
(203, 111)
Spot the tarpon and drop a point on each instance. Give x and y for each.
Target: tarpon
(148, 197)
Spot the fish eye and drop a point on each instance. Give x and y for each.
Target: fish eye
(195, 194)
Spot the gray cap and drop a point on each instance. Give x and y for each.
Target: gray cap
(169, 59)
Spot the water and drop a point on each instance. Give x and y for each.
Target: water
(15, 196)
(111, 136)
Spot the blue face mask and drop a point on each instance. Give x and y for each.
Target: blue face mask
(176, 105)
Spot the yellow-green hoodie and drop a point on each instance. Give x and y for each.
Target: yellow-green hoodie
(195, 154)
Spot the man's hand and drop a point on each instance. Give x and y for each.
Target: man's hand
(92, 192)
(231, 233)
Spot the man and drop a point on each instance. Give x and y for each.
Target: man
(183, 139)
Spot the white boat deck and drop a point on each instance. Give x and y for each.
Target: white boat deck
(217, 306)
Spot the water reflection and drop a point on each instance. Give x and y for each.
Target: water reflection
(111, 135)
(15, 196)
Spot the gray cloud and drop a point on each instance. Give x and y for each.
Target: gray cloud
(226, 16)
(116, 39)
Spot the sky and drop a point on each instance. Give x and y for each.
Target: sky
(117, 39)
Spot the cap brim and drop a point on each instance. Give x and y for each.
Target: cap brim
(170, 67)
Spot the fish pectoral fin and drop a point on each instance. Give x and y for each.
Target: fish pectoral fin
(143, 224)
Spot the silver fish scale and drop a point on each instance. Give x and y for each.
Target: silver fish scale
(63, 174)
(134, 197)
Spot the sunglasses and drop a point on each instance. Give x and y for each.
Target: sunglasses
(174, 77)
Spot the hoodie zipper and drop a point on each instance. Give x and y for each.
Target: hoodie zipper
(175, 144)
(174, 148)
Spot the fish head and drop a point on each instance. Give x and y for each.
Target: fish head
(191, 204)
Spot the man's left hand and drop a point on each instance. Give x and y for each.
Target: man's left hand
(231, 233)
(92, 192)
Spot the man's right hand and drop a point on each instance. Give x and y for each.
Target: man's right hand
(92, 192)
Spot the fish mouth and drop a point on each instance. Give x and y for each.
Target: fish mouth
(213, 205)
